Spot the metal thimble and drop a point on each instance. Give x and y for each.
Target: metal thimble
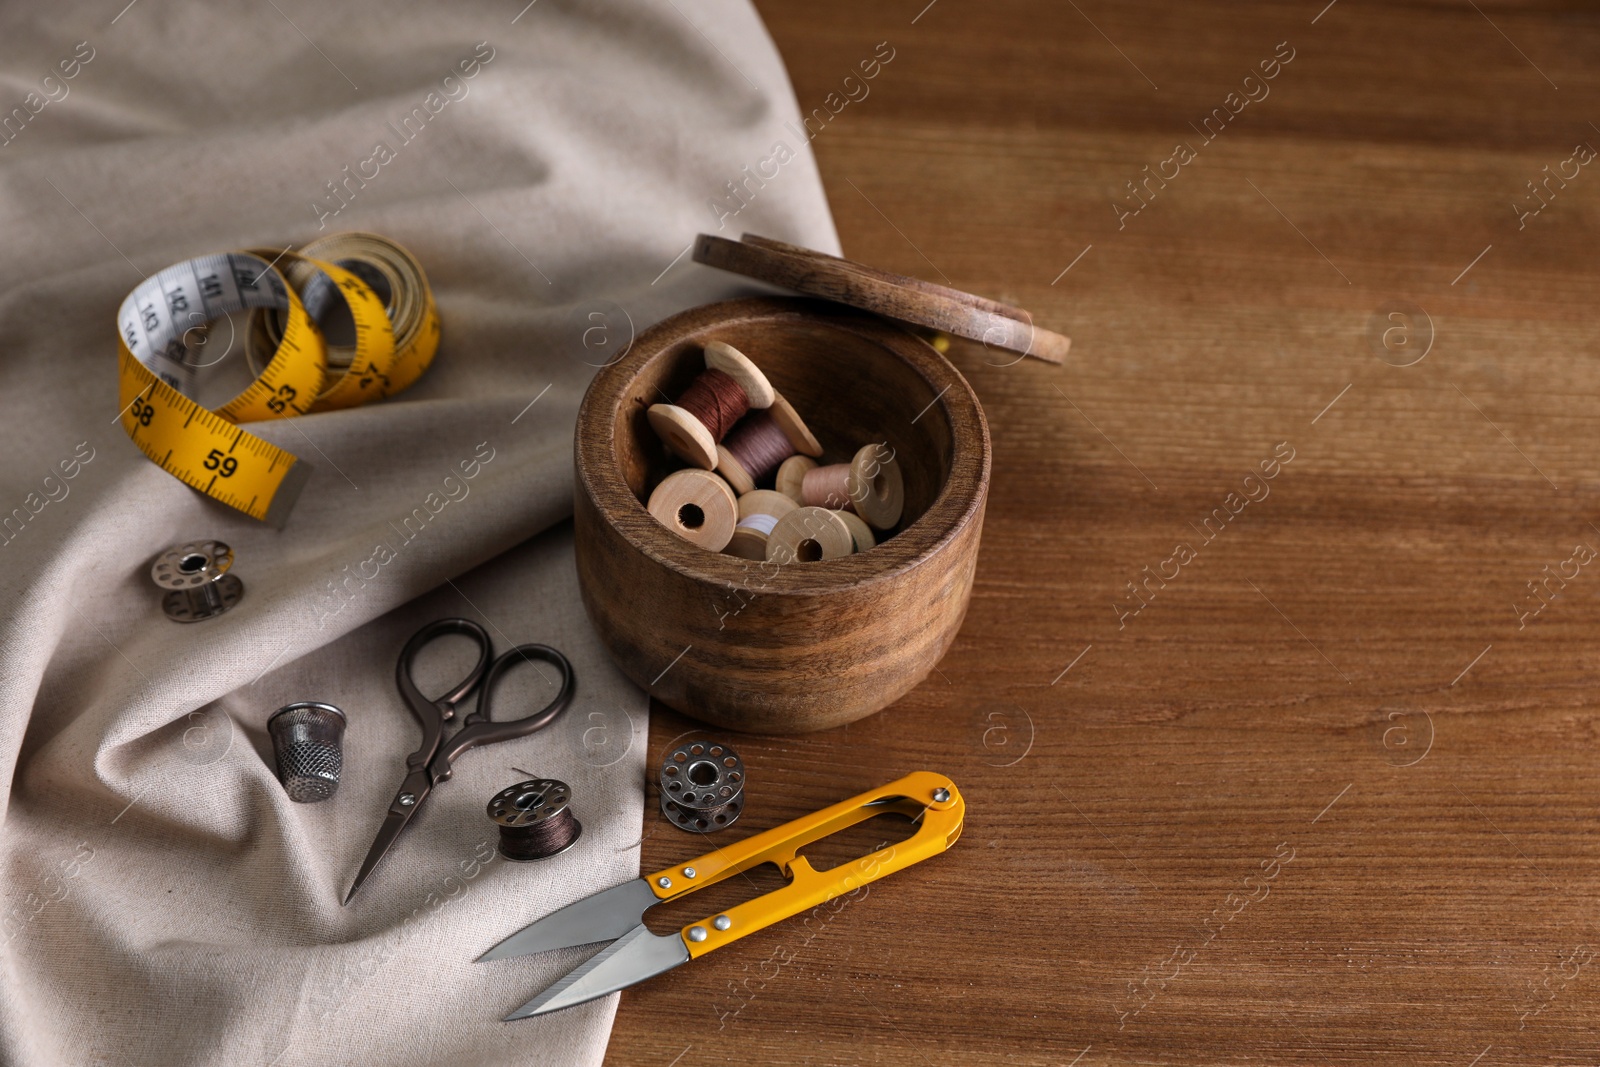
(308, 739)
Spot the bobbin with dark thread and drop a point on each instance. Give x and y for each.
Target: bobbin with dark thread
(701, 417)
(195, 575)
(535, 819)
(702, 787)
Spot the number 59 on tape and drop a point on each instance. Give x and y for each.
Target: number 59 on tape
(396, 333)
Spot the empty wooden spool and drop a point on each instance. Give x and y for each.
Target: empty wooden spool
(805, 647)
(696, 505)
(809, 535)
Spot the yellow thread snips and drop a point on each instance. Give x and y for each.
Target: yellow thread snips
(617, 914)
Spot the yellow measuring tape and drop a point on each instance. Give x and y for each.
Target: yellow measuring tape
(161, 341)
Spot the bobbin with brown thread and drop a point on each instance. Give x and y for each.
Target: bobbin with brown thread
(535, 819)
(698, 506)
(807, 535)
(721, 356)
(702, 787)
(790, 479)
(871, 484)
(696, 423)
(762, 441)
(759, 512)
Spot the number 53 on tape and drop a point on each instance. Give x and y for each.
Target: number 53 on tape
(396, 333)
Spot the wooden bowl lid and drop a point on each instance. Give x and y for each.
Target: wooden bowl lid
(894, 296)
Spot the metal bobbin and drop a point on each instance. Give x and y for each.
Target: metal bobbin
(195, 575)
(534, 818)
(702, 787)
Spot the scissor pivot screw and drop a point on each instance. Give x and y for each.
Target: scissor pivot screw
(697, 933)
(407, 799)
(941, 795)
(664, 882)
(722, 922)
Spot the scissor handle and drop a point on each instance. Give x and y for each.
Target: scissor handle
(480, 729)
(431, 713)
(917, 793)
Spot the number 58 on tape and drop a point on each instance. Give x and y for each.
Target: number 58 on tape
(396, 333)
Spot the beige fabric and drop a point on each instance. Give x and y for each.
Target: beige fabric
(163, 902)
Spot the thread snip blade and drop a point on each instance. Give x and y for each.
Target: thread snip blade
(633, 957)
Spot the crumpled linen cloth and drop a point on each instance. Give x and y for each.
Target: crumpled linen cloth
(163, 901)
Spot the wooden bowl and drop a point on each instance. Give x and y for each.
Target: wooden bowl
(805, 646)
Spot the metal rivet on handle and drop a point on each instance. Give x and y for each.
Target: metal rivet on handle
(688, 872)
(697, 933)
(941, 795)
(664, 882)
(722, 922)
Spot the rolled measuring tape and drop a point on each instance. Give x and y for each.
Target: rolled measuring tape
(396, 334)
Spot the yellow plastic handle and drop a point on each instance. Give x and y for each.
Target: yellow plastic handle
(932, 795)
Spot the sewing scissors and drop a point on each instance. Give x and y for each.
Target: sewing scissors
(432, 762)
(635, 954)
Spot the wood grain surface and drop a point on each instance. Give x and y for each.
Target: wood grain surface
(1329, 796)
(895, 296)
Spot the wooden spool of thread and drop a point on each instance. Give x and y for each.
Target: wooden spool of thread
(860, 532)
(759, 512)
(761, 441)
(807, 535)
(729, 386)
(870, 484)
(698, 506)
(791, 475)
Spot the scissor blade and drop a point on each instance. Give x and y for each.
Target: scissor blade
(606, 915)
(633, 957)
(393, 823)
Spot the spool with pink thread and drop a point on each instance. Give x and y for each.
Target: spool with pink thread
(871, 485)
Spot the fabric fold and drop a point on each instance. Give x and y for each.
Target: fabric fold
(163, 900)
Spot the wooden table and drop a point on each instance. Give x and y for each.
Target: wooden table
(1321, 789)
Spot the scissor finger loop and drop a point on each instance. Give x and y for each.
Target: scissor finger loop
(480, 728)
(444, 706)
